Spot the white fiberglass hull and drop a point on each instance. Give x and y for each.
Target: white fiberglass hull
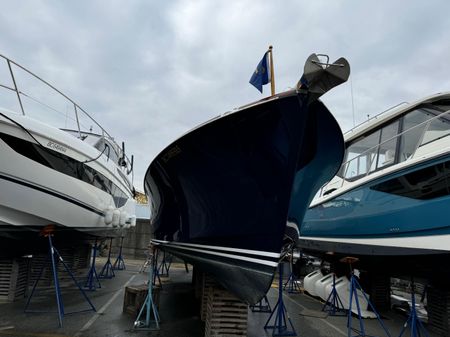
(35, 195)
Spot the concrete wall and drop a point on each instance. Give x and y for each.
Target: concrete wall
(135, 241)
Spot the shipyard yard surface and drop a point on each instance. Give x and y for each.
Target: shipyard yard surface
(179, 311)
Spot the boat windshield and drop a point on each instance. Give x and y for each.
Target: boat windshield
(396, 141)
(112, 151)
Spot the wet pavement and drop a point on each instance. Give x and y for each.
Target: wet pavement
(179, 312)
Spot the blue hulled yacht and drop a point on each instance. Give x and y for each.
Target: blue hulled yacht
(391, 195)
(222, 194)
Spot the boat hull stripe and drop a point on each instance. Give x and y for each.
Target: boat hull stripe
(220, 248)
(176, 246)
(52, 193)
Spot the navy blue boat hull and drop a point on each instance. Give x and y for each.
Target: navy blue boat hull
(221, 195)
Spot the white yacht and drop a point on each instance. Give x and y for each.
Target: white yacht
(77, 179)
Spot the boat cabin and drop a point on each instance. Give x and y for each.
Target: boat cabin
(403, 136)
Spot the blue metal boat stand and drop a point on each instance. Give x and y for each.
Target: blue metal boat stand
(119, 264)
(262, 306)
(291, 284)
(154, 266)
(148, 260)
(415, 325)
(92, 280)
(107, 270)
(354, 286)
(280, 326)
(164, 267)
(333, 305)
(53, 254)
(149, 306)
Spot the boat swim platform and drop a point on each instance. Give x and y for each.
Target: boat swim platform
(179, 310)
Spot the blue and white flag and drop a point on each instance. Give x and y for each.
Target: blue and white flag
(261, 75)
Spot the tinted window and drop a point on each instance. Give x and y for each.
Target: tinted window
(65, 165)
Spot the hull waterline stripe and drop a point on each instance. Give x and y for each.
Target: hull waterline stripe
(230, 256)
(52, 193)
(226, 249)
(429, 242)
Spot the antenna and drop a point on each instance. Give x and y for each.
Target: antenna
(353, 103)
(131, 165)
(122, 160)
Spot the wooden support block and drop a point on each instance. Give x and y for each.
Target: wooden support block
(135, 296)
(226, 315)
(13, 278)
(207, 284)
(438, 300)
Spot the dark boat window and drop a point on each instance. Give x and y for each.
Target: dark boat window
(385, 147)
(427, 183)
(65, 165)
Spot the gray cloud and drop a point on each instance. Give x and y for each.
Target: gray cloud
(149, 71)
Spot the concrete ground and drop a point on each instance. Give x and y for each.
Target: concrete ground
(179, 312)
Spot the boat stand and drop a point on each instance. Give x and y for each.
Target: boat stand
(333, 305)
(280, 327)
(148, 307)
(416, 327)
(291, 284)
(119, 264)
(154, 266)
(262, 306)
(354, 286)
(53, 254)
(107, 270)
(92, 280)
(148, 258)
(164, 267)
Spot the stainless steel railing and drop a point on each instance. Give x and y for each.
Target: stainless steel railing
(375, 150)
(77, 109)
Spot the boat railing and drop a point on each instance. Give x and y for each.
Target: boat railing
(376, 116)
(78, 111)
(375, 150)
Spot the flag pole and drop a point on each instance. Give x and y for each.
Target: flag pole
(272, 76)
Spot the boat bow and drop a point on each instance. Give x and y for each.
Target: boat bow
(221, 194)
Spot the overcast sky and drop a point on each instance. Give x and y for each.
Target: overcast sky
(149, 71)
